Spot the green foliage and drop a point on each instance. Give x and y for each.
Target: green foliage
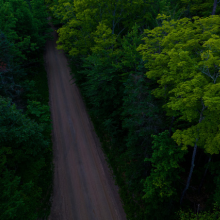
(102, 89)
(25, 25)
(214, 215)
(8, 25)
(8, 85)
(181, 58)
(161, 185)
(179, 53)
(37, 110)
(201, 8)
(26, 165)
(22, 160)
(41, 114)
(81, 18)
(15, 199)
(37, 96)
(140, 118)
(40, 15)
(172, 8)
(31, 92)
(25, 152)
(102, 86)
(23, 29)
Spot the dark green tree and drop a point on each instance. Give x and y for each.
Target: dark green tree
(161, 185)
(23, 151)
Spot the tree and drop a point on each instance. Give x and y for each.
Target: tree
(211, 215)
(82, 18)
(22, 156)
(189, 91)
(25, 26)
(160, 185)
(141, 116)
(102, 86)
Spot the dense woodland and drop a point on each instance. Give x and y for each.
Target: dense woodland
(25, 126)
(148, 71)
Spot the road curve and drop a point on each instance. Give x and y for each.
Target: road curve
(83, 187)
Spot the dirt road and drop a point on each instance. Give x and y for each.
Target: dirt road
(83, 186)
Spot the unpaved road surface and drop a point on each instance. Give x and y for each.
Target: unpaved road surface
(83, 187)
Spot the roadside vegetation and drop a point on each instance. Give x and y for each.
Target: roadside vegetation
(25, 125)
(149, 74)
(148, 71)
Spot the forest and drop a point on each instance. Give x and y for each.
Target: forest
(25, 126)
(148, 71)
